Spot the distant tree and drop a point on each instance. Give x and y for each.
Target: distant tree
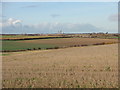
(106, 32)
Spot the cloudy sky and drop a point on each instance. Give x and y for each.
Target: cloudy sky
(50, 17)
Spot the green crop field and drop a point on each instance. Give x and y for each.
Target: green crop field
(16, 45)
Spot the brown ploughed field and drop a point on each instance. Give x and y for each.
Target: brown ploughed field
(71, 41)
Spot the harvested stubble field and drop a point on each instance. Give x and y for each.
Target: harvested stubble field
(12, 37)
(75, 67)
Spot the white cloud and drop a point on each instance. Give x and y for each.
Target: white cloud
(54, 15)
(15, 26)
(30, 6)
(11, 22)
(0, 24)
(114, 17)
(16, 22)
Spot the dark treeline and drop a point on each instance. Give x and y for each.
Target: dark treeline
(35, 38)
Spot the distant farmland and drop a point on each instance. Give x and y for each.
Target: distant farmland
(30, 37)
(79, 63)
(50, 36)
(51, 43)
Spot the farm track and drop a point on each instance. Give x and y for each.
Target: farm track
(75, 67)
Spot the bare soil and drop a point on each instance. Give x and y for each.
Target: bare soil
(71, 41)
